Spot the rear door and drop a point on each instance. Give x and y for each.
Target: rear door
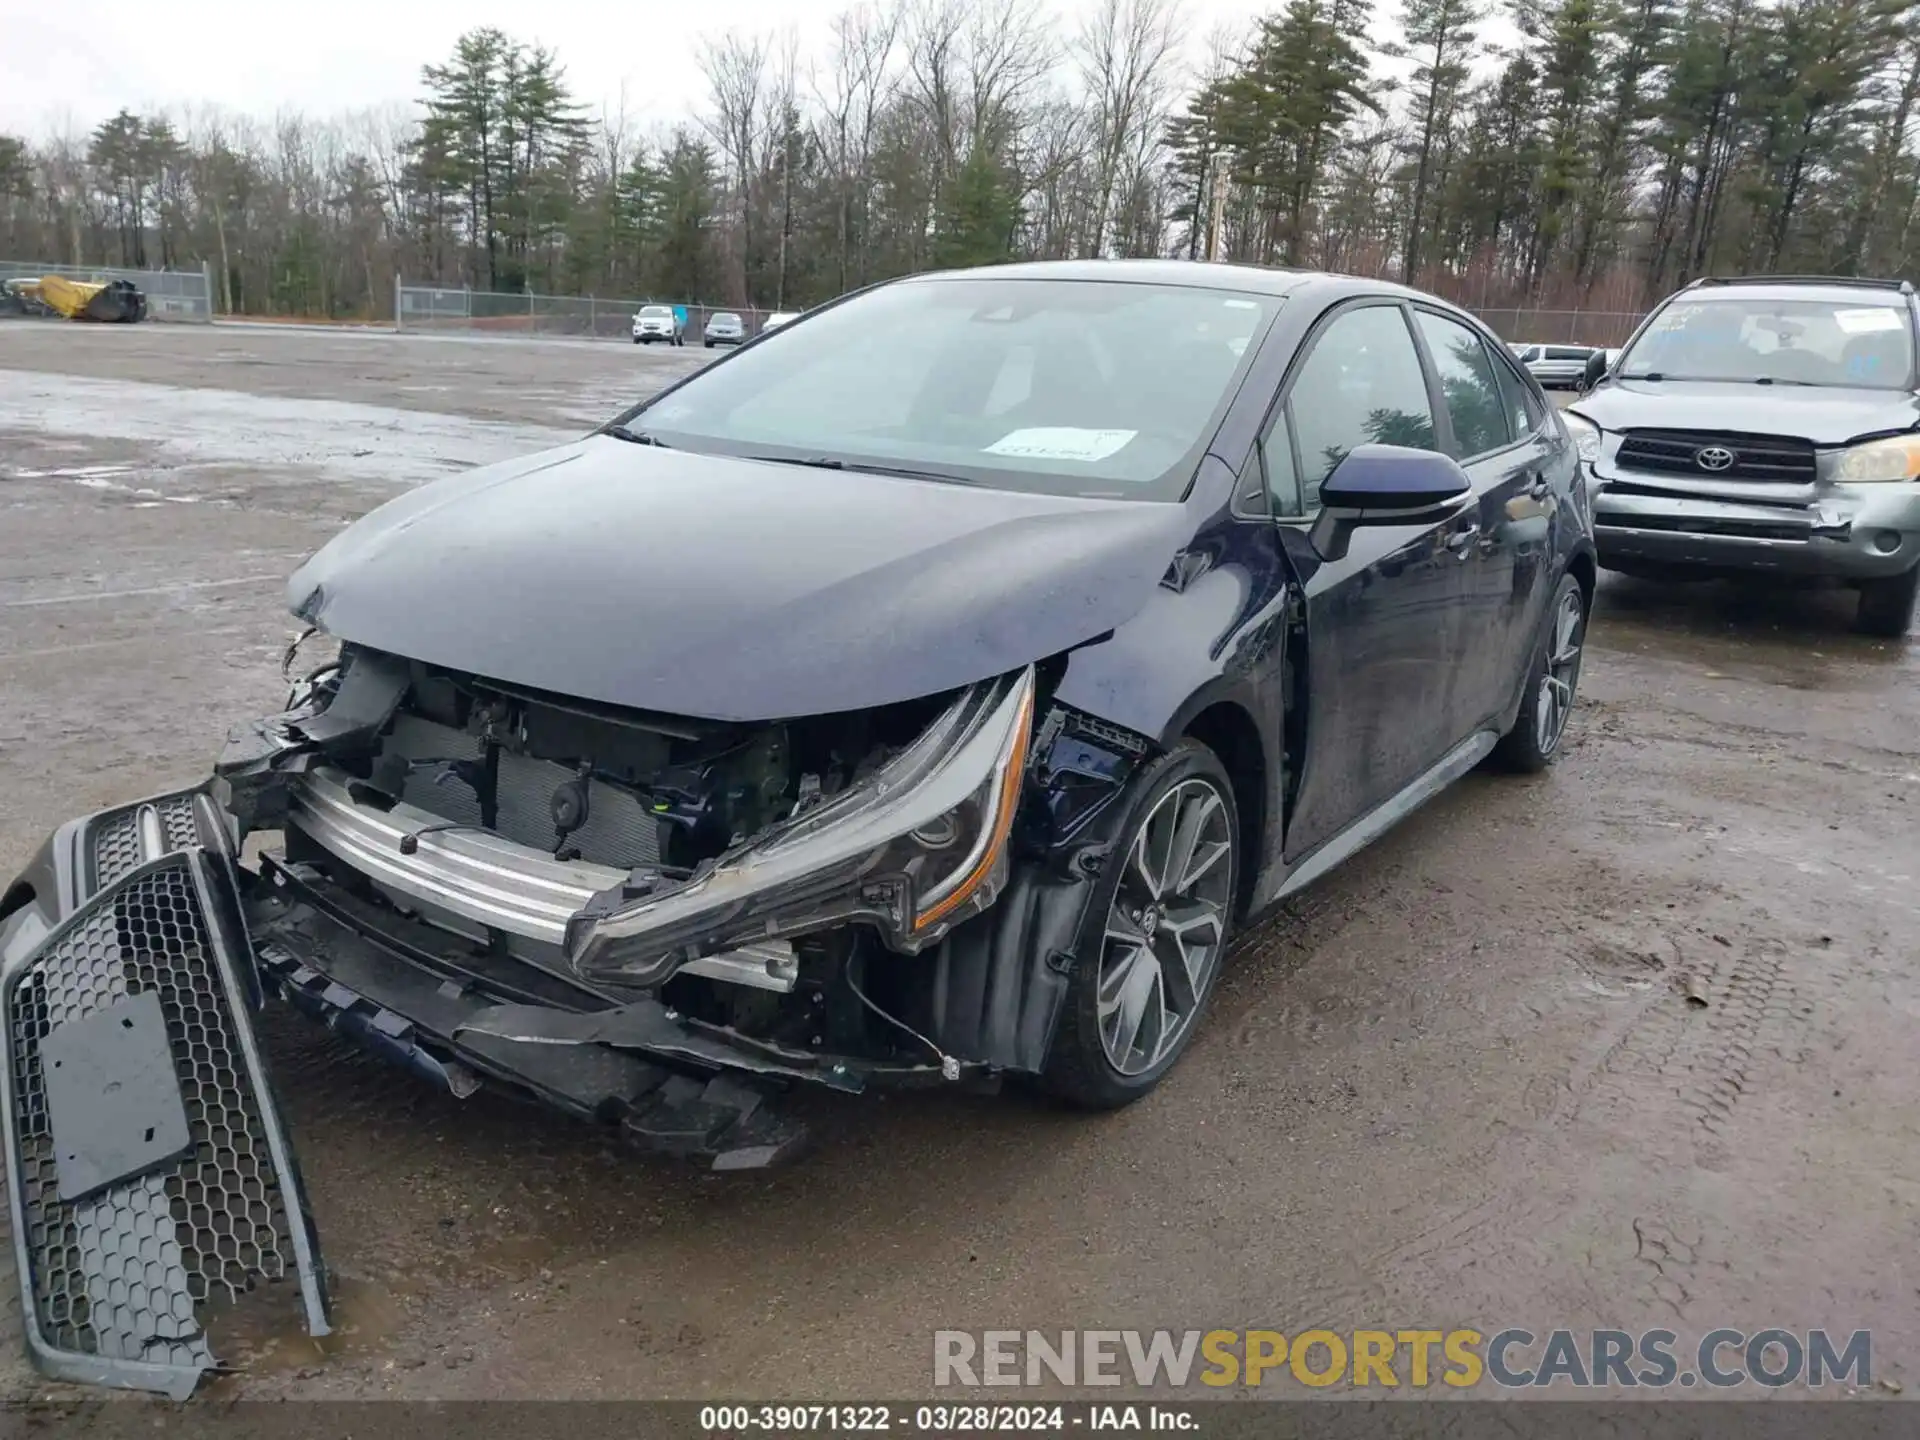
(1497, 434)
(1381, 621)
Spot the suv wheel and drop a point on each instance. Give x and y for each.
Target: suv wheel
(1887, 604)
(1151, 946)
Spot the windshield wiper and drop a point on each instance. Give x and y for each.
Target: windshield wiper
(634, 437)
(828, 462)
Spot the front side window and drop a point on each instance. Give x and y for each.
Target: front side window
(1362, 384)
(1865, 342)
(1474, 403)
(1095, 388)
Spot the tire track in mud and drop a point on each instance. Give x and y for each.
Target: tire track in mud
(1676, 1071)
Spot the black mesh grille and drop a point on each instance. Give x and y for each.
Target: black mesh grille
(124, 1274)
(116, 836)
(1755, 457)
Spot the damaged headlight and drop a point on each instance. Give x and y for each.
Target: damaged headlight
(915, 848)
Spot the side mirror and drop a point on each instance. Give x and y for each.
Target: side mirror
(1596, 370)
(1384, 485)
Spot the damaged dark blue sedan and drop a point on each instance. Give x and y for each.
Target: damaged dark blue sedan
(922, 693)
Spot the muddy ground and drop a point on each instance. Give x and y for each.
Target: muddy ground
(1457, 1083)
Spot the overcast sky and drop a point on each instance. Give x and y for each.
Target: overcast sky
(74, 63)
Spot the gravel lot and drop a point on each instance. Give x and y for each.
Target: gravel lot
(1457, 1083)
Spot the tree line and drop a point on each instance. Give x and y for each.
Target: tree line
(1588, 153)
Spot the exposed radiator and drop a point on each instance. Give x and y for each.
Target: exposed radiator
(620, 830)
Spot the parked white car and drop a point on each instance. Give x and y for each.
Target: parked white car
(656, 322)
(777, 319)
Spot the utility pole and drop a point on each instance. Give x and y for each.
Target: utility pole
(1216, 220)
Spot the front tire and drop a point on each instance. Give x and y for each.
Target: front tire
(1552, 679)
(1887, 605)
(1154, 936)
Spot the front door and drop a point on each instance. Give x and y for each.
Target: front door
(1382, 621)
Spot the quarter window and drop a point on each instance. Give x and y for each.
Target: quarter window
(1473, 398)
(1523, 411)
(1361, 384)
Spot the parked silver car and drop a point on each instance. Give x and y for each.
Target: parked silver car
(723, 328)
(1766, 425)
(1556, 367)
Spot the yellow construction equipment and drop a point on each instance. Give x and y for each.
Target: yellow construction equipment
(102, 300)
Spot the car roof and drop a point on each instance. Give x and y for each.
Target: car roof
(1205, 274)
(1862, 294)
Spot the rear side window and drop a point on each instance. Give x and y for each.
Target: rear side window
(1567, 352)
(1474, 402)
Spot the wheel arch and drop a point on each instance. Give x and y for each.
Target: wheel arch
(1227, 729)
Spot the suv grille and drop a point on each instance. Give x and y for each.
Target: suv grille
(1755, 457)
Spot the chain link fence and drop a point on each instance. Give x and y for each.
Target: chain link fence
(586, 317)
(1603, 329)
(171, 294)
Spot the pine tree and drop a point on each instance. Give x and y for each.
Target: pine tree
(1440, 36)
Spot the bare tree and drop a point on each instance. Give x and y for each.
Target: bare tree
(1126, 53)
(736, 71)
(859, 81)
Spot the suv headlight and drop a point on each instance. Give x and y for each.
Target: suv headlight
(1586, 435)
(912, 850)
(1896, 458)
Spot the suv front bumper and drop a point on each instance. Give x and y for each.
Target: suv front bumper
(1848, 532)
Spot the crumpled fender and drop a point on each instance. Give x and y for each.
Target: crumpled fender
(999, 980)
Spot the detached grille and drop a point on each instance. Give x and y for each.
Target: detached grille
(1756, 457)
(115, 837)
(119, 1282)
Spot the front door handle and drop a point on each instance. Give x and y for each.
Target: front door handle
(1461, 540)
(1540, 488)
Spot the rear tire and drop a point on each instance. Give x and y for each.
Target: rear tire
(1552, 681)
(1129, 1014)
(1887, 605)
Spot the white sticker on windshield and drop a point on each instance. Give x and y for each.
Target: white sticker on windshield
(1061, 442)
(1862, 322)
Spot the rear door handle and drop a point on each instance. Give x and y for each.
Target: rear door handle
(1540, 488)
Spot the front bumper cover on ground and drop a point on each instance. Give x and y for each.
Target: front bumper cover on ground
(149, 1178)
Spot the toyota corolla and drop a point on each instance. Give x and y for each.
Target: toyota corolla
(922, 695)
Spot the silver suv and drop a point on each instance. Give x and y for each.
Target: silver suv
(1764, 424)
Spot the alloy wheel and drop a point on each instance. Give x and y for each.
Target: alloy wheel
(1562, 671)
(1166, 926)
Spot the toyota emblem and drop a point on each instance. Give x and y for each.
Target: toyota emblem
(1714, 457)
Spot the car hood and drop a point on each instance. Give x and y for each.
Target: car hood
(1826, 415)
(731, 589)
